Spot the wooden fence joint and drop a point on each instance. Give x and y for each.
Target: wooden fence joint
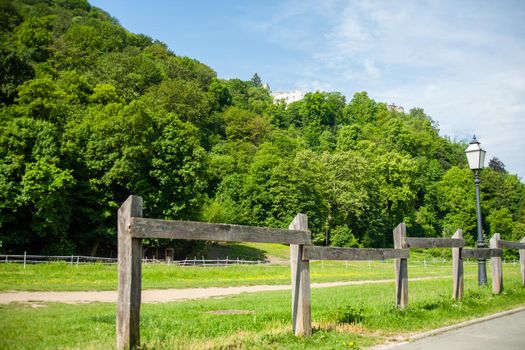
(301, 308)
(401, 267)
(496, 267)
(457, 268)
(129, 276)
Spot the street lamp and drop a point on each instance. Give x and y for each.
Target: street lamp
(476, 159)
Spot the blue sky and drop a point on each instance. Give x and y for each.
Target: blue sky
(461, 61)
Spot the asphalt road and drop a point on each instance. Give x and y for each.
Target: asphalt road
(504, 333)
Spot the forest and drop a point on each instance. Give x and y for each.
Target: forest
(91, 113)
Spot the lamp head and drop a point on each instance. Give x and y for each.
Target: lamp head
(475, 155)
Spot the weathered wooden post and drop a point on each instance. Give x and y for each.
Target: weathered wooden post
(457, 269)
(522, 263)
(301, 312)
(496, 267)
(129, 276)
(401, 267)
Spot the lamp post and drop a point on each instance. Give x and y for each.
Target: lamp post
(476, 159)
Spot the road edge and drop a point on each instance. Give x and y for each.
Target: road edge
(394, 342)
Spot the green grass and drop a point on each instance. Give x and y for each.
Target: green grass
(191, 325)
(65, 277)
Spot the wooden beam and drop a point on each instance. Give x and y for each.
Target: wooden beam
(480, 253)
(301, 308)
(401, 267)
(457, 268)
(334, 253)
(418, 242)
(496, 267)
(129, 276)
(512, 245)
(522, 263)
(190, 230)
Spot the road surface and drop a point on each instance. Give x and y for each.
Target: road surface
(503, 333)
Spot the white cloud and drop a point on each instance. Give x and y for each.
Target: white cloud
(371, 69)
(467, 76)
(463, 62)
(314, 85)
(488, 105)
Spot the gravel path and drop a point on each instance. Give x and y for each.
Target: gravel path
(168, 295)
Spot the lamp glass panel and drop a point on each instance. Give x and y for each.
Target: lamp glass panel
(473, 159)
(482, 158)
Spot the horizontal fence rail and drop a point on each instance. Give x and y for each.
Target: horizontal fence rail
(334, 253)
(80, 259)
(481, 253)
(189, 230)
(419, 242)
(213, 262)
(44, 259)
(512, 245)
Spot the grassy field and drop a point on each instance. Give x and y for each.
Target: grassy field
(349, 317)
(64, 277)
(344, 317)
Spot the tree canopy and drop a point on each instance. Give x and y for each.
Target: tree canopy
(91, 113)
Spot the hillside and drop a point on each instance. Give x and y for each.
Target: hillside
(90, 113)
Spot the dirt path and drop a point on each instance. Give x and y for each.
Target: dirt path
(168, 295)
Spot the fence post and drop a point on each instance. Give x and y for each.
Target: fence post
(457, 269)
(401, 266)
(496, 267)
(522, 263)
(301, 312)
(25, 255)
(129, 276)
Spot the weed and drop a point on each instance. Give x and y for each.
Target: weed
(351, 314)
(443, 302)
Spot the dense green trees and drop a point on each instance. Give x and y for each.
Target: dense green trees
(90, 113)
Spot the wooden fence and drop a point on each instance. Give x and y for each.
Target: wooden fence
(459, 253)
(333, 253)
(496, 245)
(402, 241)
(132, 228)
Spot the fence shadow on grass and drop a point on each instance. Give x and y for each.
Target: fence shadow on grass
(217, 250)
